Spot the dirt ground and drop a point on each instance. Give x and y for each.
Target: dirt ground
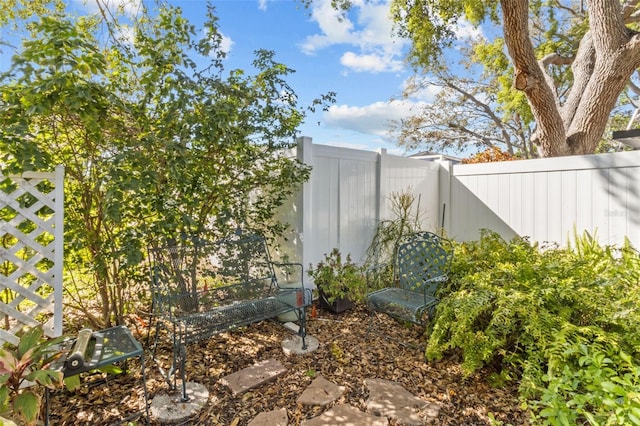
(353, 346)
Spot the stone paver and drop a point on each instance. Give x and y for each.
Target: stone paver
(345, 415)
(169, 409)
(253, 376)
(271, 418)
(391, 400)
(293, 345)
(320, 392)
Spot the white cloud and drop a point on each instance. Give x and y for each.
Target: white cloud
(333, 29)
(373, 119)
(262, 4)
(371, 62)
(464, 30)
(131, 8)
(226, 43)
(370, 34)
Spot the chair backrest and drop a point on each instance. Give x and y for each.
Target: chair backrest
(423, 262)
(234, 268)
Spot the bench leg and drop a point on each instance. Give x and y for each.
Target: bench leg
(302, 315)
(168, 373)
(179, 359)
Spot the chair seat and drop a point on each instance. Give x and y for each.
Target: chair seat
(401, 303)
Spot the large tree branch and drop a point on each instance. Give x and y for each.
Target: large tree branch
(582, 68)
(607, 26)
(530, 78)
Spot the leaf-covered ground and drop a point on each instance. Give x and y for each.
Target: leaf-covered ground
(353, 346)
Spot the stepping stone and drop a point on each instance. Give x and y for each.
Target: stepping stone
(320, 392)
(345, 415)
(271, 418)
(391, 400)
(293, 345)
(170, 409)
(253, 376)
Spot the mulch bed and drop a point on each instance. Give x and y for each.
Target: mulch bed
(350, 351)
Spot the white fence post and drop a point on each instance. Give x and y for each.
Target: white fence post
(445, 196)
(305, 155)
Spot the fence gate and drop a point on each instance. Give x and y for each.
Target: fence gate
(31, 252)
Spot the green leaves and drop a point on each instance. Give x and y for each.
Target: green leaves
(29, 361)
(27, 405)
(339, 278)
(155, 147)
(554, 316)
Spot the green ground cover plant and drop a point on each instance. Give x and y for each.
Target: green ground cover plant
(562, 321)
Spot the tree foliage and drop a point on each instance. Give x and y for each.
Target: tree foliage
(490, 155)
(569, 63)
(159, 141)
(462, 115)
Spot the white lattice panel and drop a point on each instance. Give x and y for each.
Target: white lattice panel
(31, 252)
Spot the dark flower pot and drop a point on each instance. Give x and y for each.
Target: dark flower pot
(338, 306)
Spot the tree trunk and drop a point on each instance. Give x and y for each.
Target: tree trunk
(607, 56)
(550, 134)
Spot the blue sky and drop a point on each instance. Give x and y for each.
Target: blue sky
(358, 58)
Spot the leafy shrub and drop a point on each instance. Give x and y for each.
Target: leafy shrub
(564, 320)
(339, 277)
(28, 362)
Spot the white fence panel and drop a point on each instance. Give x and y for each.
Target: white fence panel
(31, 253)
(343, 193)
(399, 174)
(346, 197)
(543, 199)
(549, 199)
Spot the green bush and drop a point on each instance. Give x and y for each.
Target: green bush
(563, 320)
(339, 277)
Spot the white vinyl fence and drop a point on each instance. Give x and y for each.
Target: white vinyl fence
(31, 252)
(549, 199)
(346, 197)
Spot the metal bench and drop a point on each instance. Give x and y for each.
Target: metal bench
(421, 265)
(204, 288)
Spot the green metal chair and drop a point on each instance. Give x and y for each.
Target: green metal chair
(422, 264)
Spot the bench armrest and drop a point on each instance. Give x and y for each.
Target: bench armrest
(431, 285)
(288, 273)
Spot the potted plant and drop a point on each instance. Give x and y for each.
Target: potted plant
(340, 281)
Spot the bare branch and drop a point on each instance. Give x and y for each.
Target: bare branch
(629, 11)
(557, 59)
(569, 10)
(634, 88)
